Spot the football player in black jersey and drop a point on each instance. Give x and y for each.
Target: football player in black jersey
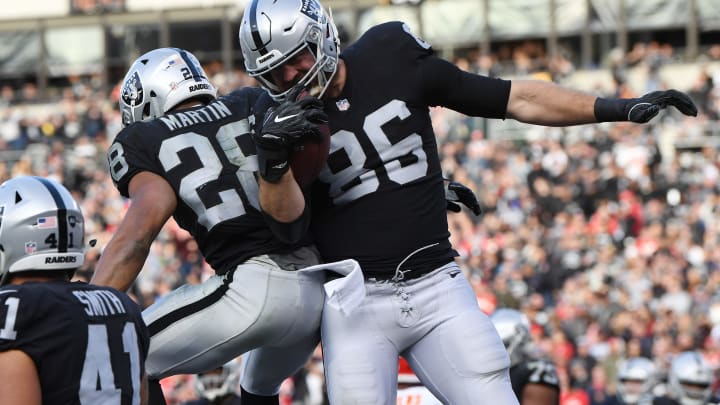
(378, 199)
(61, 342)
(187, 154)
(534, 379)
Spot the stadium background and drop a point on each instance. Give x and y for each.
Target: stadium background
(604, 235)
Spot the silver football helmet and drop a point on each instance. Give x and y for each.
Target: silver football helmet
(219, 382)
(514, 330)
(160, 80)
(690, 378)
(41, 227)
(273, 31)
(636, 378)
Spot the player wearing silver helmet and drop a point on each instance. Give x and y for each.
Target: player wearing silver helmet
(61, 342)
(690, 379)
(636, 378)
(689, 382)
(534, 379)
(219, 386)
(187, 154)
(378, 200)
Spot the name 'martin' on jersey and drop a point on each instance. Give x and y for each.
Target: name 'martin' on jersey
(211, 112)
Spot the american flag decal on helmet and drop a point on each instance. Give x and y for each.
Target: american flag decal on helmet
(47, 222)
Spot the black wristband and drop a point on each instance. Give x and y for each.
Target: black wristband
(272, 164)
(615, 109)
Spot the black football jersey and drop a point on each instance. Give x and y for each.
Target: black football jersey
(207, 155)
(539, 371)
(380, 198)
(89, 343)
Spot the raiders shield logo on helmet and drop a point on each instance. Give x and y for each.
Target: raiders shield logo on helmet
(132, 92)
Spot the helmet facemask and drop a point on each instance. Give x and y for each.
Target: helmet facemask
(219, 382)
(690, 378)
(636, 378)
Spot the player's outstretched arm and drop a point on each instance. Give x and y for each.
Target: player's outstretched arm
(544, 103)
(152, 203)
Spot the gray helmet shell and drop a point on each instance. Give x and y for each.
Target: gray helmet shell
(273, 31)
(636, 378)
(514, 330)
(690, 378)
(219, 382)
(160, 80)
(41, 227)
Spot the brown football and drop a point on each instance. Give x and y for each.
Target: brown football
(309, 158)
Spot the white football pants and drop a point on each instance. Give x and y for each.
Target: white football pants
(197, 328)
(435, 323)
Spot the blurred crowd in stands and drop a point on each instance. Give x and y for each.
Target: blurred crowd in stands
(605, 235)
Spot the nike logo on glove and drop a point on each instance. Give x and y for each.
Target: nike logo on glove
(287, 117)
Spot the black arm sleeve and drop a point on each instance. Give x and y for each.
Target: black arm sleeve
(474, 95)
(289, 232)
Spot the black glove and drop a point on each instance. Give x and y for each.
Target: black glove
(285, 127)
(456, 192)
(643, 109)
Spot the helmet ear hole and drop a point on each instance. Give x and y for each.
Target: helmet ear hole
(146, 110)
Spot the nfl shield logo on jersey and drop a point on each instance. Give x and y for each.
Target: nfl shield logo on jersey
(343, 105)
